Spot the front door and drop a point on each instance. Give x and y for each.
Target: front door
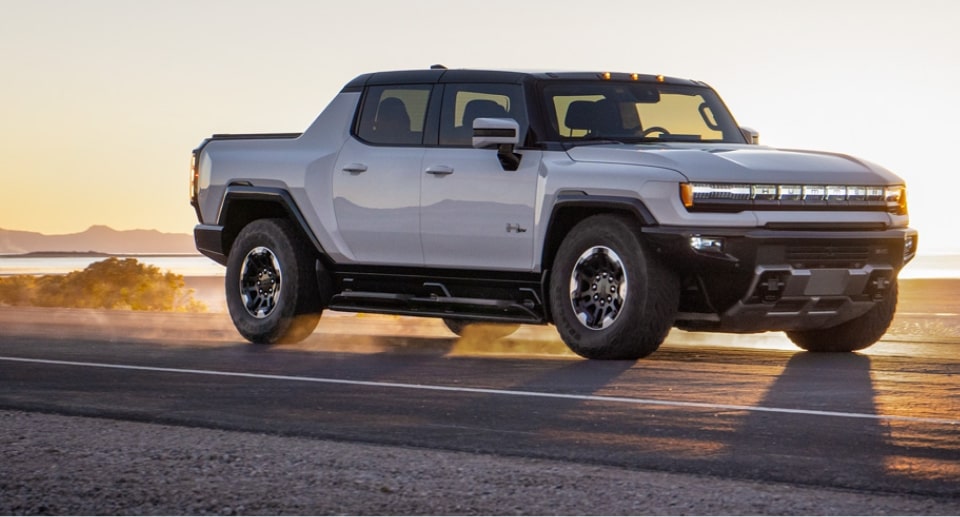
(474, 214)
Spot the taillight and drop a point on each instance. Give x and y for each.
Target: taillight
(194, 180)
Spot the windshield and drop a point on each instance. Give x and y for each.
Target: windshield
(638, 112)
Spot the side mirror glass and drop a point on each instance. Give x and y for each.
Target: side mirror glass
(494, 132)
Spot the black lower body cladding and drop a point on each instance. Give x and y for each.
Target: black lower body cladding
(765, 280)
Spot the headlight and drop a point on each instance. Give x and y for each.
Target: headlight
(735, 197)
(896, 199)
(691, 193)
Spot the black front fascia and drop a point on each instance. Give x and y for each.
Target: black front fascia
(715, 281)
(744, 249)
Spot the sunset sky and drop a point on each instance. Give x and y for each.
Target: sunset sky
(103, 100)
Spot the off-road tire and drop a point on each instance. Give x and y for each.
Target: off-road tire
(490, 331)
(271, 292)
(635, 319)
(856, 334)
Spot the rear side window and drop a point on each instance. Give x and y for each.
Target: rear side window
(464, 103)
(394, 115)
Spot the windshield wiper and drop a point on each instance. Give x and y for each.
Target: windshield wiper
(668, 138)
(591, 140)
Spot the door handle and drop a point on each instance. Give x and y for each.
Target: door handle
(355, 168)
(439, 170)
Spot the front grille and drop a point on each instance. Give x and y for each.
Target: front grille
(820, 257)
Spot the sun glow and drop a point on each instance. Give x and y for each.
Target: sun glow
(100, 131)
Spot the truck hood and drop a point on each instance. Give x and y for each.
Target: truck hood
(741, 163)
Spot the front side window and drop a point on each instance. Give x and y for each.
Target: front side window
(394, 115)
(464, 103)
(638, 112)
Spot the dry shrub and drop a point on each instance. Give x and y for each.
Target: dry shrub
(109, 284)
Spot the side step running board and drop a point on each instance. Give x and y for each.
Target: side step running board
(439, 306)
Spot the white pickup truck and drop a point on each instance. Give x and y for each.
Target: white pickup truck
(613, 205)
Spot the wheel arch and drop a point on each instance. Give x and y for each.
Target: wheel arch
(243, 204)
(570, 209)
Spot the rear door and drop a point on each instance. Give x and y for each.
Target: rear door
(376, 183)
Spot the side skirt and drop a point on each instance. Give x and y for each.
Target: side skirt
(470, 295)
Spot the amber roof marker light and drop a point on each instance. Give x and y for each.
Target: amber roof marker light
(606, 76)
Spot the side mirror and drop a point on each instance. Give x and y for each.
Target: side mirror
(494, 132)
(752, 135)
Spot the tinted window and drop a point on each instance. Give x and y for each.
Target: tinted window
(638, 112)
(464, 103)
(394, 115)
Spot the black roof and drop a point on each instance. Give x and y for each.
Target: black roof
(439, 75)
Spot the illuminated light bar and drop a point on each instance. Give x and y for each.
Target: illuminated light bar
(836, 193)
(856, 193)
(790, 192)
(892, 194)
(690, 193)
(814, 193)
(732, 197)
(711, 191)
(764, 192)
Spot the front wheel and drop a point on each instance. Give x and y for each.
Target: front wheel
(610, 298)
(856, 334)
(271, 294)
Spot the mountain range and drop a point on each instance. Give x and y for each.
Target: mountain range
(98, 239)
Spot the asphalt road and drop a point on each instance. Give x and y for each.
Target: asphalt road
(745, 408)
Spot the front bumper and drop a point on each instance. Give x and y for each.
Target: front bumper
(760, 280)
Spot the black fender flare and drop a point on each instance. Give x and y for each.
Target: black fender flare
(570, 208)
(215, 241)
(584, 205)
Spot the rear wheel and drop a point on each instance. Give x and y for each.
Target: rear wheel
(856, 334)
(610, 298)
(488, 330)
(271, 293)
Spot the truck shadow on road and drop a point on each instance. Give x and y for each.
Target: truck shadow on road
(837, 436)
(839, 449)
(702, 409)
